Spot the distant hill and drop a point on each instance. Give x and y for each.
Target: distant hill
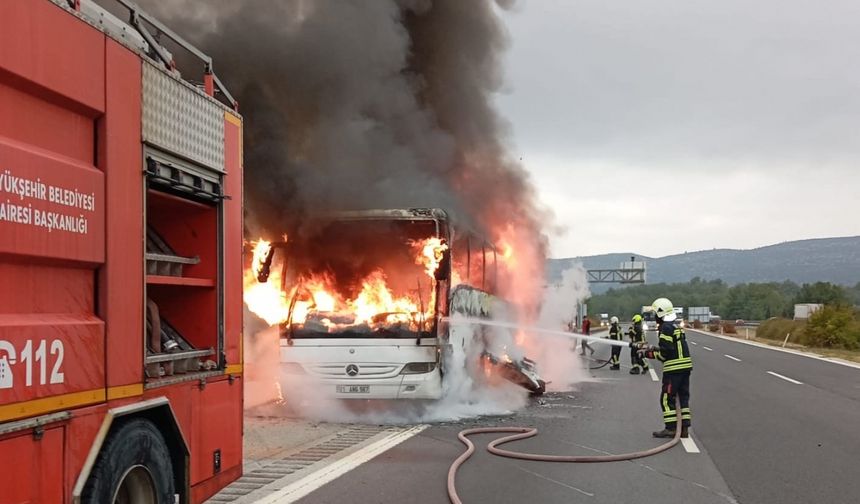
(835, 260)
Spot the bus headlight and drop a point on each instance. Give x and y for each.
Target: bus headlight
(418, 367)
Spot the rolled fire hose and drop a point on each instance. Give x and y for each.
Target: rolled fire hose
(527, 432)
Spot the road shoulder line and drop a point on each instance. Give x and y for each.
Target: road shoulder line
(315, 480)
(690, 445)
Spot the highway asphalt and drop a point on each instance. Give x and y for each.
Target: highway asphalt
(771, 427)
(775, 440)
(613, 414)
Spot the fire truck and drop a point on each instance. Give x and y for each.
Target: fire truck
(120, 261)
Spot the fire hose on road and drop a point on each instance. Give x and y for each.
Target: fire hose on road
(527, 432)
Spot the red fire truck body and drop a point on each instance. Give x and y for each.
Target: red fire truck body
(120, 263)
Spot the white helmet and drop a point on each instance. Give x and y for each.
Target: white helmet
(664, 309)
(613, 320)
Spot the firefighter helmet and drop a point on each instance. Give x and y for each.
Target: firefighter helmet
(637, 318)
(613, 320)
(663, 307)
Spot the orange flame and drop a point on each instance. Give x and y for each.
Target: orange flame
(376, 299)
(431, 252)
(507, 253)
(374, 305)
(261, 251)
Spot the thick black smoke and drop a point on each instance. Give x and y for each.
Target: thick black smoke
(354, 104)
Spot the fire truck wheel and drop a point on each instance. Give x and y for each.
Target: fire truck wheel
(133, 468)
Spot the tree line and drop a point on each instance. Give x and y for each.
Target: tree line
(748, 301)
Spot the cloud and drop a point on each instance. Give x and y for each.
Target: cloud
(747, 112)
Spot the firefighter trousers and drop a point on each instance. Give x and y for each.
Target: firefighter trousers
(637, 361)
(675, 385)
(615, 360)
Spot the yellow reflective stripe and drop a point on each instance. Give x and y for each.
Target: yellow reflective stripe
(666, 404)
(679, 368)
(676, 365)
(666, 337)
(53, 403)
(121, 391)
(230, 118)
(672, 362)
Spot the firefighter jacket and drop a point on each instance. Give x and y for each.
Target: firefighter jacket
(673, 350)
(615, 332)
(635, 332)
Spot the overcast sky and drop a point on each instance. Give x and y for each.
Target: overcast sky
(667, 126)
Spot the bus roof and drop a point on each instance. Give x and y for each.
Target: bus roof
(390, 214)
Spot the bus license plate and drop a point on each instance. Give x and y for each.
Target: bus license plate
(353, 389)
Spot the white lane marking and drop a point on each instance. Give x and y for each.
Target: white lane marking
(313, 481)
(732, 358)
(810, 355)
(693, 342)
(708, 348)
(690, 445)
(786, 378)
(653, 374)
(541, 476)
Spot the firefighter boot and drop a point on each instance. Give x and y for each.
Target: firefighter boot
(635, 369)
(665, 433)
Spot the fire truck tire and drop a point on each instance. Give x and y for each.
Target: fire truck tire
(133, 466)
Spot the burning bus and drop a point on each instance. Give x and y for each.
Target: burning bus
(361, 302)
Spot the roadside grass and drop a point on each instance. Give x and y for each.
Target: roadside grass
(749, 333)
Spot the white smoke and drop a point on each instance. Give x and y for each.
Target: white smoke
(556, 356)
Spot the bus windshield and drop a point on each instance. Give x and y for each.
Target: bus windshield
(364, 279)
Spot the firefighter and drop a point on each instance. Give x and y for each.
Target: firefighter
(637, 336)
(615, 334)
(677, 365)
(586, 330)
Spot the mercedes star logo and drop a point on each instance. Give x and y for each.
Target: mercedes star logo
(352, 370)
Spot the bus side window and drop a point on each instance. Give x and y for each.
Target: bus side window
(460, 260)
(490, 278)
(477, 270)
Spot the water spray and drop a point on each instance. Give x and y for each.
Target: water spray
(554, 332)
